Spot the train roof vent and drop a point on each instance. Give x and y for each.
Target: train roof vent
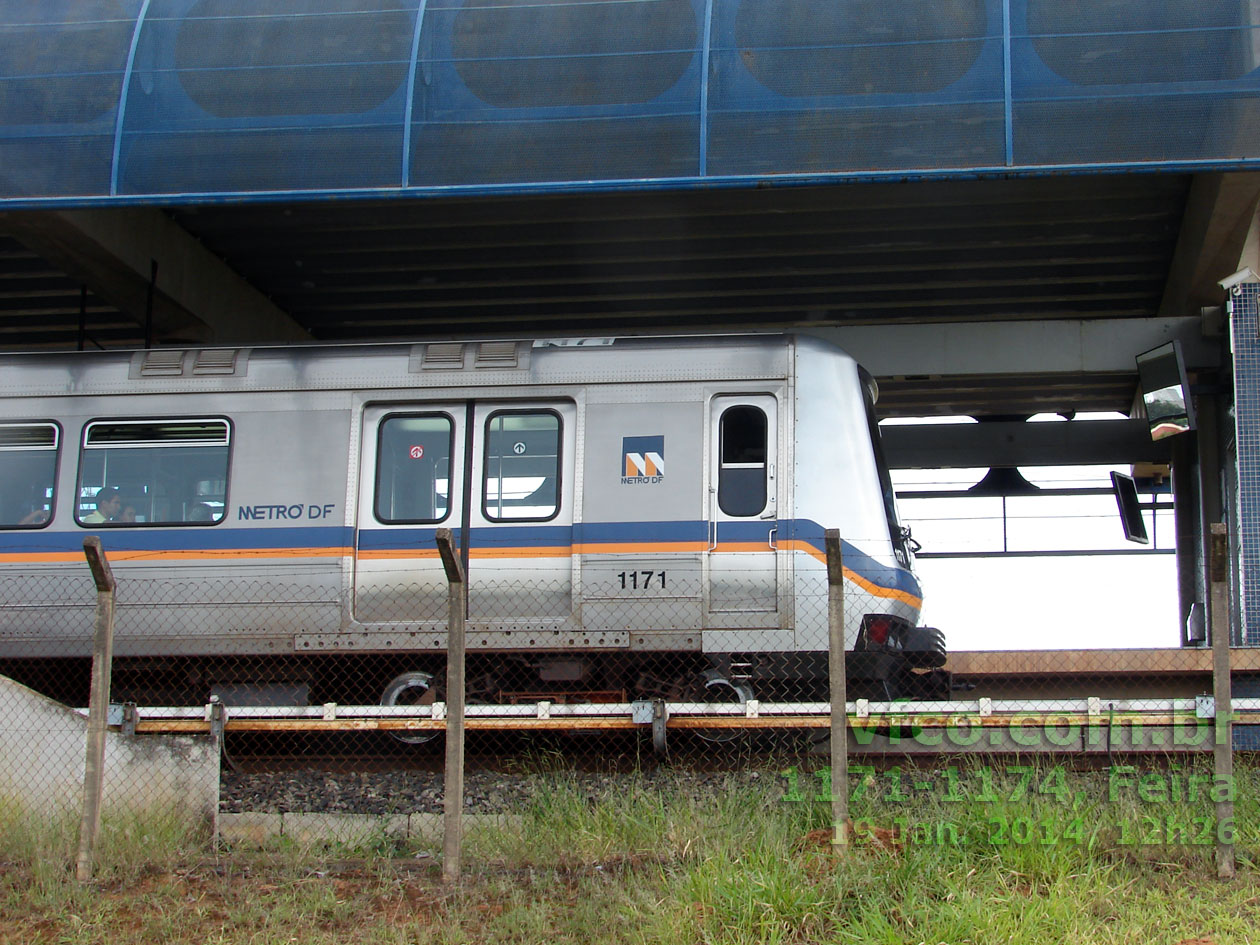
(162, 362)
(445, 356)
(217, 361)
(496, 354)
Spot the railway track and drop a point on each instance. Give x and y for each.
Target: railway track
(1061, 727)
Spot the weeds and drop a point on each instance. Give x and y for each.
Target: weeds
(661, 859)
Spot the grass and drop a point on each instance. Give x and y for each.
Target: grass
(662, 860)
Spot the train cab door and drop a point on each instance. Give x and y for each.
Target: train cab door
(743, 557)
(411, 483)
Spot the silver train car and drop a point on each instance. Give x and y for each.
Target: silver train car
(639, 516)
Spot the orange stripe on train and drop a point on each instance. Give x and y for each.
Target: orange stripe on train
(638, 547)
(484, 553)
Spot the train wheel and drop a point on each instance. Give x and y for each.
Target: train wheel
(412, 689)
(716, 688)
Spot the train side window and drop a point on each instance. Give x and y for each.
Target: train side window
(522, 466)
(153, 472)
(742, 461)
(28, 473)
(413, 468)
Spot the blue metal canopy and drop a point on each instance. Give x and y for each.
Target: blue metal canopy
(169, 100)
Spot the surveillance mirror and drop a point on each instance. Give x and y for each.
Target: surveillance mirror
(1165, 392)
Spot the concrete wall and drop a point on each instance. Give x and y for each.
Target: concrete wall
(42, 746)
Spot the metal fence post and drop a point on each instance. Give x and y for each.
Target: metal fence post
(453, 793)
(98, 705)
(839, 695)
(1223, 750)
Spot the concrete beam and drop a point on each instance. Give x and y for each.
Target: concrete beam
(197, 297)
(1220, 212)
(1068, 346)
(1011, 443)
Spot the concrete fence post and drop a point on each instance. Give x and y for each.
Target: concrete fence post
(1222, 691)
(453, 792)
(98, 705)
(839, 693)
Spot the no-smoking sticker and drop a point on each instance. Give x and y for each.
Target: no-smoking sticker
(416, 452)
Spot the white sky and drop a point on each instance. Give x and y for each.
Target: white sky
(1052, 602)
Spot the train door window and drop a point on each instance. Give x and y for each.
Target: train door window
(153, 472)
(522, 466)
(742, 461)
(28, 473)
(413, 468)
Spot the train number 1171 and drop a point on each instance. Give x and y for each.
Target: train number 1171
(641, 580)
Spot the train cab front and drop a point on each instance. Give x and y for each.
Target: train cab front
(894, 657)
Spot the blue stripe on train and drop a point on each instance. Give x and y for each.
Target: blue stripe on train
(525, 535)
(200, 538)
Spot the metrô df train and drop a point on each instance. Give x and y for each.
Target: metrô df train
(640, 517)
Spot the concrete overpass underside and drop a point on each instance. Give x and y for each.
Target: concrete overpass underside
(966, 297)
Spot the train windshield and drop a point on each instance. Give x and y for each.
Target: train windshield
(895, 532)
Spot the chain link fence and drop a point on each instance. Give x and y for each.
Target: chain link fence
(603, 673)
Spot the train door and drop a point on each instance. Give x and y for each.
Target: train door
(500, 473)
(743, 490)
(521, 516)
(411, 483)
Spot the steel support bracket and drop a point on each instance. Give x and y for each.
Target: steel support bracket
(216, 715)
(129, 718)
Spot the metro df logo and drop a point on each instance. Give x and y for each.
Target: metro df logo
(643, 459)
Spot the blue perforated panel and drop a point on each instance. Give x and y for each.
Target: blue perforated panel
(152, 98)
(1246, 338)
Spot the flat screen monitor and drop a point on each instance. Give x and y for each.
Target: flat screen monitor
(1130, 508)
